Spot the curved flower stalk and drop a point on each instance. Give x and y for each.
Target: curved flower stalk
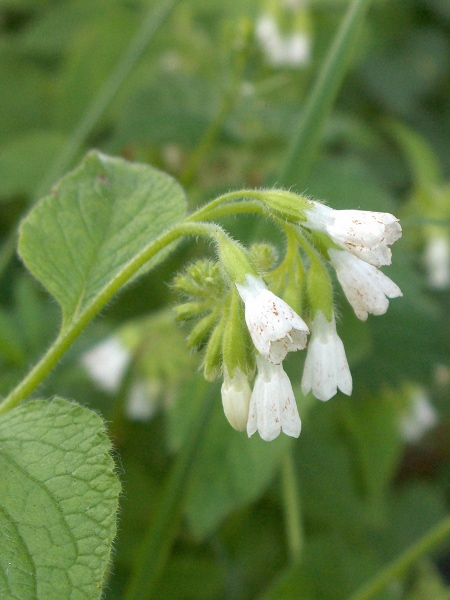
(326, 367)
(272, 406)
(274, 326)
(366, 287)
(236, 394)
(365, 234)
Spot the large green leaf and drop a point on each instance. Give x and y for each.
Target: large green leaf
(95, 222)
(58, 502)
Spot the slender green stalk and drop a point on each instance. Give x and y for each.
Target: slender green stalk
(69, 333)
(400, 565)
(302, 151)
(292, 509)
(159, 538)
(221, 206)
(153, 21)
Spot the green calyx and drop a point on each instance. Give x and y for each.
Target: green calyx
(235, 346)
(287, 205)
(201, 280)
(212, 360)
(320, 290)
(264, 256)
(235, 260)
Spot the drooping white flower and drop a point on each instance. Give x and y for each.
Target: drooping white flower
(326, 367)
(366, 287)
(142, 400)
(272, 406)
(436, 258)
(420, 418)
(282, 50)
(365, 234)
(236, 394)
(106, 363)
(274, 327)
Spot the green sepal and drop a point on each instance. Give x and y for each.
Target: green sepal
(264, 256)
(320, 290)
(202, 279)
(290, 206)
(202, 329)
(235, 260)
(234, 343)
(212, 360)
(189, 310)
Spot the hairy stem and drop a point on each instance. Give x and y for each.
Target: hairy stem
(71, 331)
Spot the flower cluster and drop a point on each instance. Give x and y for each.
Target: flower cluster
(246, 325)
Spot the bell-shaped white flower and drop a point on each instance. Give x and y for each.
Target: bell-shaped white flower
(436, 259)
(420, 418)
(107, 363)
(326, 367)
(236, 394)
(272, 406)
(274, 327)
(365, 234)
(366, 287)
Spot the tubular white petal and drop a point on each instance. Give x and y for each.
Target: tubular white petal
(366, 288)
(365, 234)
(236, 394)
(272, 406)
(326, 367)
(274, 327)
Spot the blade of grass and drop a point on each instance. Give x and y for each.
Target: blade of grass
(160, 536)
(154, 20)
(400, 565)
(302, 151)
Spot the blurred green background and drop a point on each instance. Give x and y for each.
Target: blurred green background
(215, 104)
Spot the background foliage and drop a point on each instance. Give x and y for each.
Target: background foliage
(204, 104)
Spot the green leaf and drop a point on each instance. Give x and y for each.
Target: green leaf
(99, 218)
(58, 502)
(369, 419)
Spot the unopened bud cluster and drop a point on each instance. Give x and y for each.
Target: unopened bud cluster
(245, 307)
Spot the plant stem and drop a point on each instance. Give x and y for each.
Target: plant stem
(292, 509)
(398, 567)
(70, 332)
(153, 21)
(302, 151)
(159, 538)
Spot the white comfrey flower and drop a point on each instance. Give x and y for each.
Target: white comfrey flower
(272, 406)
(236, 394)
(326, 367)
(365, 234)
(420, 418)
(274, 327)
(436, 258)
(282, 51)
(106, 364)
(366, 287)
(142, 400)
